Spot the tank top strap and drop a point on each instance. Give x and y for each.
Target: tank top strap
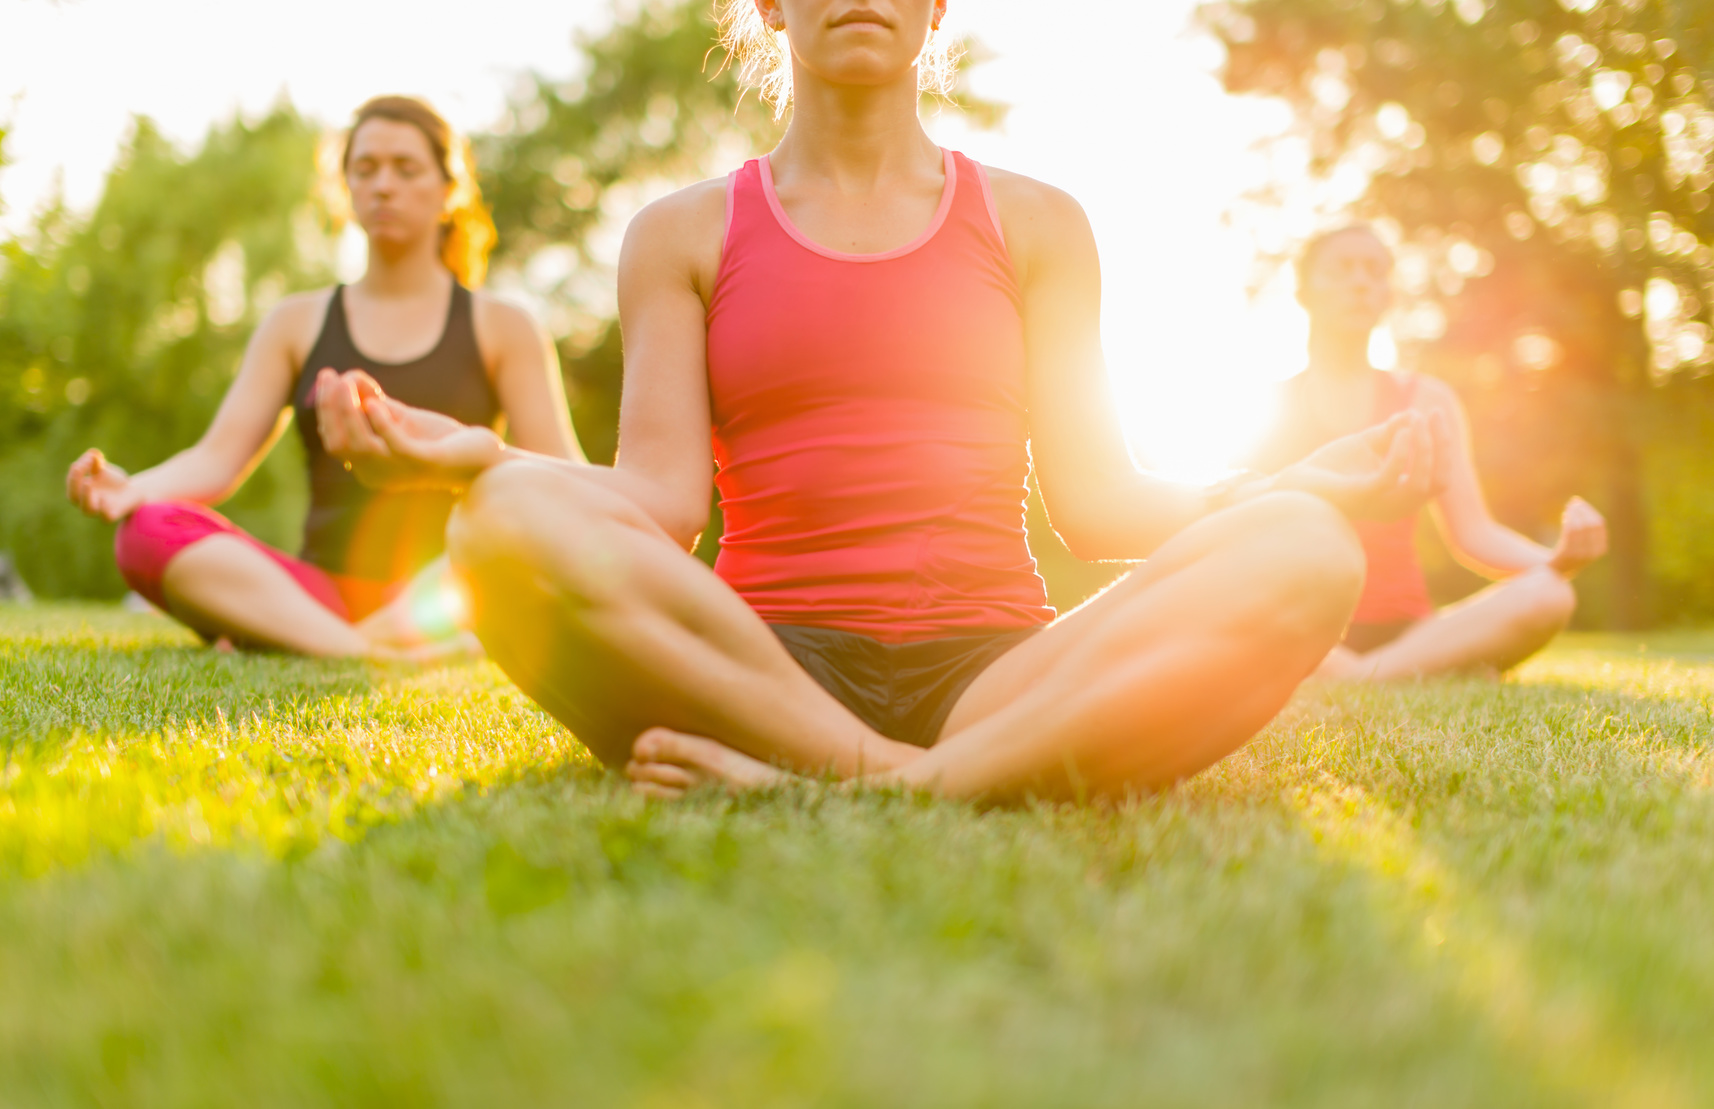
(458, 341)
(973, 180)
(335, 334)
(752, 209)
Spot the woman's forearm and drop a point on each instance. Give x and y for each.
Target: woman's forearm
(1496, 551)
(194, 474)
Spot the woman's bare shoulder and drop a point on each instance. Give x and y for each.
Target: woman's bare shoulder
(683, 231)
(502, 317)
(1028, 197)
(295, 322)
(1045, 229)
(697, 209)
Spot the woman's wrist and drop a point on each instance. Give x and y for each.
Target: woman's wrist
(499, 451)
(494, 451)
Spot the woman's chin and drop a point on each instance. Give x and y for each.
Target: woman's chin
(864, 72)
(394, 237)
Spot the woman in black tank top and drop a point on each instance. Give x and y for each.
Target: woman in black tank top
(370, 578)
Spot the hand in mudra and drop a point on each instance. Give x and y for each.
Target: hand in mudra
(101, 489)
(1582, 538)
(389, 445)
(1384, 473)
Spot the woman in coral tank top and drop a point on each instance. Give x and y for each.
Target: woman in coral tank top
(1345, 283)
(867, 342)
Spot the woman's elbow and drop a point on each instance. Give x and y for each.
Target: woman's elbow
(684, 523)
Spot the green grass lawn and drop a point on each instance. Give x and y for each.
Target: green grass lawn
(241, 881)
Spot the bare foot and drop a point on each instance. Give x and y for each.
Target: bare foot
(457, 648)
(669, 764)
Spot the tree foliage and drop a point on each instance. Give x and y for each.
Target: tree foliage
(123, 328)
(1546, 164)
(653, 103)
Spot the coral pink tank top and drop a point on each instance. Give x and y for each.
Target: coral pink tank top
(1395, 590)
(870, 423)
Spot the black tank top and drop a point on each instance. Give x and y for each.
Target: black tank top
(354, 530)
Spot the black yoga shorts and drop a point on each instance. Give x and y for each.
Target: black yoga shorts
(905, 691)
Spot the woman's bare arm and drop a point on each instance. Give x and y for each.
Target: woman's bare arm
(1100, 503)
(1476, 539)
(1102, 506)
(252, 415)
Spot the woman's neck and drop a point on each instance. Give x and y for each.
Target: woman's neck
(408, 271)
(1338, 354)
(854, 135)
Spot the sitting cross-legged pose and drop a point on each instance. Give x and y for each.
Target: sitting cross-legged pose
(874, 339)
(413, 323)
(1344, 281)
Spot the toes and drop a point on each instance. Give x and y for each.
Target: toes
(661, 774)
(658, 792)
(663, 745)
(702, 759)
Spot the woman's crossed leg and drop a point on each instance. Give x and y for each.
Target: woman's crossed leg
(597, 614)
(648, 657)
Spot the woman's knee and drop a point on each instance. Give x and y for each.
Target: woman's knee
(523, 516)
(1548, 602)
(153, 535)
(1311, 545)
(1308, 565)
(504, 511)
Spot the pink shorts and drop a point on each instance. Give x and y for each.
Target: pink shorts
(154, 534)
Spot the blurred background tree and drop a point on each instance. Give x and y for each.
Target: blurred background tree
(1546, 165)
(122, 328)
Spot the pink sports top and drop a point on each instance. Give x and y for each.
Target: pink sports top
(1395, 590)
(870, 423)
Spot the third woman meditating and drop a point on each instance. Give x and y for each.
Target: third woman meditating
(1345, 283)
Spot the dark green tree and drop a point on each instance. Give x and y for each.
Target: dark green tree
(1547, 165)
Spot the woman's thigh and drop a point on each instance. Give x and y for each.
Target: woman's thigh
(1182, 660)
(155, 535)
(1021, 668)
(613, 628)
